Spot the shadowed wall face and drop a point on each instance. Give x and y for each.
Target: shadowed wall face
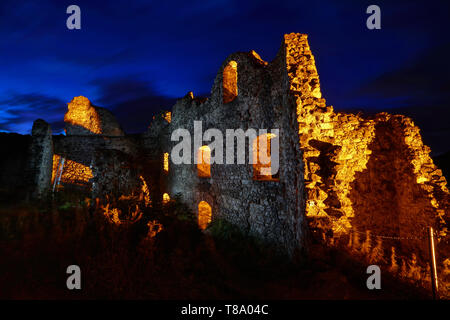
(41, 159)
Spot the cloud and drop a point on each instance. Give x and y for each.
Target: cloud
(419, 89)
(133, 101)
(425, 78)
(433, 123)
(19, 111)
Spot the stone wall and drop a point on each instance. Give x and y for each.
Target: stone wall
(371, 185)
(359, 172)
(96, 155)
(272, 210)
(41, 160)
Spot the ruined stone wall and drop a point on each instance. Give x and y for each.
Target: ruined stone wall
(154, 145)
(369, 181)
(97, 155)
(82, 118)
(360, 174)
(41, 160)
(115, 164)
(271, 210)
(354, 166)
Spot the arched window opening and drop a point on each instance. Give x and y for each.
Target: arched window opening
(204, 214)
(230, 89)
(166, 198)
(204, 162)
(166, 162)
(262, 162)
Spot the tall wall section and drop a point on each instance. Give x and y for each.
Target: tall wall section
(40, 161)
(272, 210)
(364, 174)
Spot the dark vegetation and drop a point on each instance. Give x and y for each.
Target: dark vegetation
(13, 165)
(120, 261)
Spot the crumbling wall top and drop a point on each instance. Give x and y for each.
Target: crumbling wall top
(41, 128)
(82, 118)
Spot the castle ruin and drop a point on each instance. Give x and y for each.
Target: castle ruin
(338, 172)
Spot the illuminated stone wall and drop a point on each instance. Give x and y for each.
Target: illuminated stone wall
(370, 182)
(103, 165)
(82, 118)
(360, 174)
(69, 172)
(361, 171)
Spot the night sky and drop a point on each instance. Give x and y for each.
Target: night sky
(137, 57)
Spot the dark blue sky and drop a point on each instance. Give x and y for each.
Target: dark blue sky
(137, 57)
